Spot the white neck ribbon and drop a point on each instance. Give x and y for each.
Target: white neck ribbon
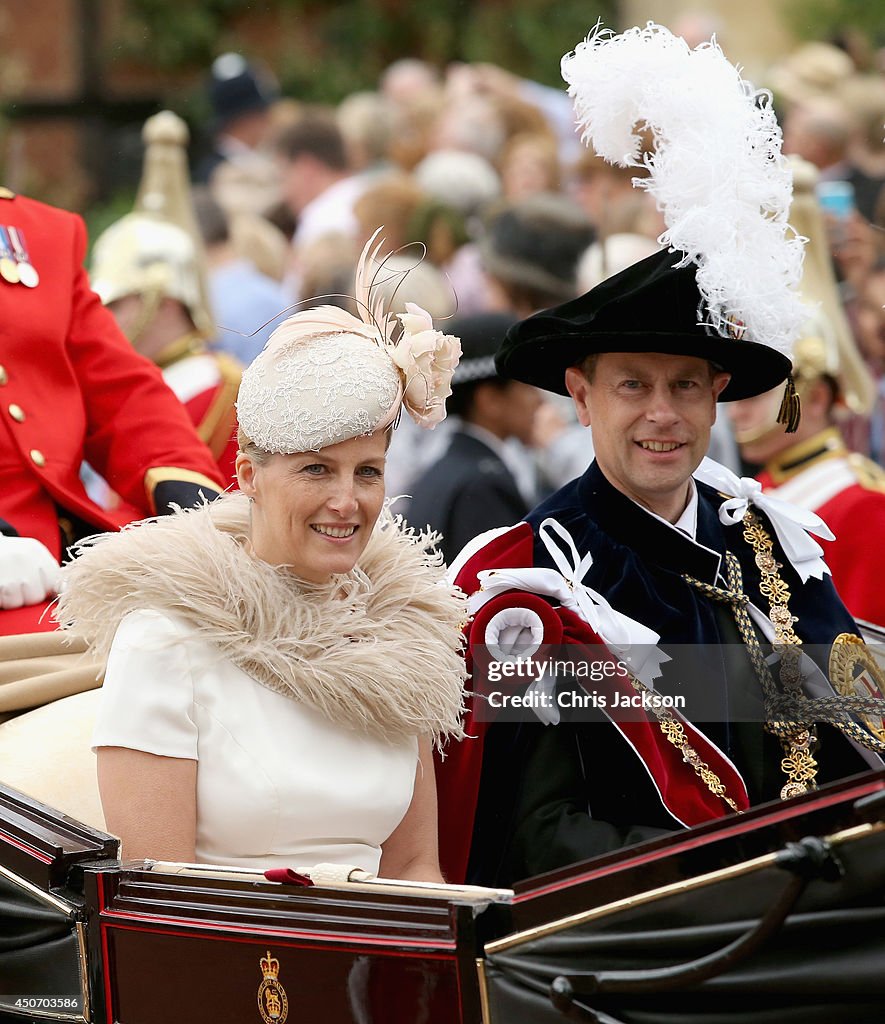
(792, 524)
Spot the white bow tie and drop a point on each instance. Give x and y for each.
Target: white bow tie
(792, 524)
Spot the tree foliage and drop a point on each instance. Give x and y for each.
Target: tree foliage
(823, 19)
(326, 50)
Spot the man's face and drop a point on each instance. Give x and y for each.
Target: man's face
(522, 402)
(756, 430)
(651, 416)
(870, 312)
(298, 182)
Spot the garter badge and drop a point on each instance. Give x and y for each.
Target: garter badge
(273, 1003)
(854, 672)
(735, 328)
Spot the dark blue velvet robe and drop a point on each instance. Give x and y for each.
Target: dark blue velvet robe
(553, 795)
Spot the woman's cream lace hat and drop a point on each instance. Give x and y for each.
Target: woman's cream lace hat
(326, 376)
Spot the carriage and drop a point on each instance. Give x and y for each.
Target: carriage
(775, 914)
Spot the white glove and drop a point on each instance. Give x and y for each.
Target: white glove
(28, 572)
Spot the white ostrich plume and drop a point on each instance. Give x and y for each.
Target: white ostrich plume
(716, 172)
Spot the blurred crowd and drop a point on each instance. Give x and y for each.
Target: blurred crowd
(481, 187)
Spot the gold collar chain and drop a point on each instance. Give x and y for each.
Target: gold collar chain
(798, 741)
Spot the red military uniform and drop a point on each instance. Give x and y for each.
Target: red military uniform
(206, 383)
(848, 492)
(73, 389)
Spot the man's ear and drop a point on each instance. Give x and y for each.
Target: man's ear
(720, 383)
(245, 468)
(578, 387)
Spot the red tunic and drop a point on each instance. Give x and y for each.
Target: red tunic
(848, 492)
(73, 389)
(207, 383)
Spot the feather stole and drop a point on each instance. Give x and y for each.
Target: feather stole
(378, 649)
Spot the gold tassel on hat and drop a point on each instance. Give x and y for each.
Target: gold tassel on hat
(791, 407)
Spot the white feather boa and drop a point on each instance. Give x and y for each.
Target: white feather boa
(383, 656)
(717, 172)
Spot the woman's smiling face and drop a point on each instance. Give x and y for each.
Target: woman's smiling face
(314, 511)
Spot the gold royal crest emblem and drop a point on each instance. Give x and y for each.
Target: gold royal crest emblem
(273, 1003)
(854, 672)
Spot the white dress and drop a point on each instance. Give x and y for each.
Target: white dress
(278, 784)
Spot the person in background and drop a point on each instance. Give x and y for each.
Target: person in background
(867, 312)
(394, 201)
(246, 303)
(814, 467)
(74, 389)
(240, 96)
(407, 79)
(462, 181)
(413, 91)
(365, 120)
(460, 188)
(864, 98)
(530, 250)
(819, 129)
(607, 195)
(318, 187)
(529, 164)
(148, 269)
(473, 487)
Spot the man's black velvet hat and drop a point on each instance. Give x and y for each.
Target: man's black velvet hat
(652, 306)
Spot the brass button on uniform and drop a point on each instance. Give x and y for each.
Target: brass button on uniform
(37, 457)
(4, 376)
(17, 413)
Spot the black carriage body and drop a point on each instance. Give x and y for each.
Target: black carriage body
(140, 943)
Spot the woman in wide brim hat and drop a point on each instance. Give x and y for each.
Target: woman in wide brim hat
(281, 661)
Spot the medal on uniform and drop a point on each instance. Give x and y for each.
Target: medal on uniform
(8, 266)
(26, 272)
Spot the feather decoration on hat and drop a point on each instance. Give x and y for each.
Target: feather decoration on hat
(716, 172)
(318, 357)
(371, 322)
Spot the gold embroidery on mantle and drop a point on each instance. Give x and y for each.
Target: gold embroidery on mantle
(798, 763)
(674, 731)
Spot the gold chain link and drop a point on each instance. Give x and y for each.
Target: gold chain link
(798, 763)
(673, 730)
(798, 742)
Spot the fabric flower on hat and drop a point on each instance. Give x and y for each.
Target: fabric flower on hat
(427, 359)
(326, 376)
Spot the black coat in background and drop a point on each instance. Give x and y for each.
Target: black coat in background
(466, 492)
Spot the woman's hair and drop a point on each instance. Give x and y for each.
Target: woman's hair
(248, 447)
(391, 201)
